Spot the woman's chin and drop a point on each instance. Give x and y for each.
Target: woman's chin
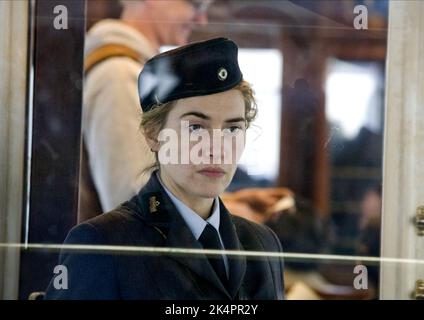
(209, 192)
(212, 187)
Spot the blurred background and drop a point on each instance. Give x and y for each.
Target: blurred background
(312, 170)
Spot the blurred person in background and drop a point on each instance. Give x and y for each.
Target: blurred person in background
(114, 153)
(369, 240)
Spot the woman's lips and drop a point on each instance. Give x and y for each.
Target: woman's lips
(212, 173)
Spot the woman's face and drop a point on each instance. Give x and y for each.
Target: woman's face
(210, 133)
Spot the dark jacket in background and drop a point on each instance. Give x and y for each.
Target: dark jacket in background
(150, 219)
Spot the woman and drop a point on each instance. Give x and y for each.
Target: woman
(188, 95)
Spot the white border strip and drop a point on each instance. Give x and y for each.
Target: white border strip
(190, 251)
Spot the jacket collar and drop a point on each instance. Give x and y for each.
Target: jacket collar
(157, 210)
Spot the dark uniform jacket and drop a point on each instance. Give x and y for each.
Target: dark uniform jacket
(150, 219)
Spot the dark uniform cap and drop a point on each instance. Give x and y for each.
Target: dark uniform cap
(197, 69)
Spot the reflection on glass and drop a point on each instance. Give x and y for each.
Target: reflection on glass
(260, 158)
(312, 169)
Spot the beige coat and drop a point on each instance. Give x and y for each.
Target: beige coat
(117, 152)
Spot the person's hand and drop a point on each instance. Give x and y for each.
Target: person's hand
(259, 204)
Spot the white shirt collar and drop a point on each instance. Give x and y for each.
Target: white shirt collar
(192, 219)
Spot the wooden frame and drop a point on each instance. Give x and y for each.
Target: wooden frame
(403, 170)
(14, 20)
(56, 138)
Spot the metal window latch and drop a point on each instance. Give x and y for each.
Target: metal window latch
(419, 221)
(418, 293)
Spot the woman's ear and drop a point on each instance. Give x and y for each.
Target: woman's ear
(153, 144)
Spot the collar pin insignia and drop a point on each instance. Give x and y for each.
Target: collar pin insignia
(153, 204)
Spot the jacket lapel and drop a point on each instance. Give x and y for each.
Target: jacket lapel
(237, 264)
(159, 211)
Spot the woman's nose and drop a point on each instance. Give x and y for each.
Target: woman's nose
(217, 149)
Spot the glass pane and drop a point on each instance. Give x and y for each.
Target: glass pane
(311, 170)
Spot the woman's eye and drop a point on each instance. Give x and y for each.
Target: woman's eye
(233, 129)
(195, 127)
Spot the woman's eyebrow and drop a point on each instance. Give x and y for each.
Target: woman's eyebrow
(197, 114)
(206, 117)
(239, 119)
